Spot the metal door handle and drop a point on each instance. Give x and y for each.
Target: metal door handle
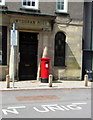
(19, 57)
(27, 65)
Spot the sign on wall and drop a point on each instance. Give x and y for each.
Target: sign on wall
(14, 37)
(30, 23)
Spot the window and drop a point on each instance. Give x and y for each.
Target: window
(30, 4)
(59, 58)
(2, 2)
(92, 62)
(61, 5)
(3, 45)
(92, 34)
(92, 37)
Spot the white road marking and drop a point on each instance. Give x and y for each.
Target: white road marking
(54, 107)
(65, 108)
(12, 110)
(17, 107)
(49, 108)
(45, 108)
(74, 107)
(79, 103)
(5, 111)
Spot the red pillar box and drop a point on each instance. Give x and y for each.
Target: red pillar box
(45, 69)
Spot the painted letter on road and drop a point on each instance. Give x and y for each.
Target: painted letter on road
(11, 110)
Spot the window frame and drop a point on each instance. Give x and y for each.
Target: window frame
(2, 2)
(65, 10)
(31, 7)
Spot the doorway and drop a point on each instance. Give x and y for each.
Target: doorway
(28, 45)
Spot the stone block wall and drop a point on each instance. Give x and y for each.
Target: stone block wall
(73, 56)
(3, 72)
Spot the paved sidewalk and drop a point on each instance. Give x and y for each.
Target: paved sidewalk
(34, 84)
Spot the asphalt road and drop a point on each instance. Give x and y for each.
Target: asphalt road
(74, 103)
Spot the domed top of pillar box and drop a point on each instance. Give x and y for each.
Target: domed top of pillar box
(45, 59)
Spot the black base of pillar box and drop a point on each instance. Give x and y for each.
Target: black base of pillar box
(44, 80)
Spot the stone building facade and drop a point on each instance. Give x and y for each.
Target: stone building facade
(42, 25)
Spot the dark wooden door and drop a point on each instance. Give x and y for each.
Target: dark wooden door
(28, 44)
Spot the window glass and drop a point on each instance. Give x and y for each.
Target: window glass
(0, 45)
(92, 62)
(92, 35)
(59, 59)
(33, 3)
(2, 2)
(3, 45)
